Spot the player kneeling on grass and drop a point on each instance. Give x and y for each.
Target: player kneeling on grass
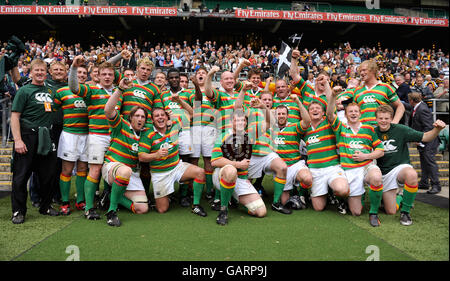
(121, 160)
(358, 146)
(160, 148)
(395, 164)
(231, 158)
(287, 137)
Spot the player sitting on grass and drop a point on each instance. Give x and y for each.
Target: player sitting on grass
(231, 158)
(120, 169)
(160, 148)
(395, 164)
(358, 146)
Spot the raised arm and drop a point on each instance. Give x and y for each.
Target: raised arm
(110, 107)
(184, 105)
(306, 119)
(244, 63)
(73, 78)
(294, 71)
(332, 102)
(208, 82)
(124, 54)
(431, 135)
(239, 102)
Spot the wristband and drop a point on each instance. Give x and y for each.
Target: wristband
(120, 89)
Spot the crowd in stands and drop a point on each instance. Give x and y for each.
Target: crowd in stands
(422, 70)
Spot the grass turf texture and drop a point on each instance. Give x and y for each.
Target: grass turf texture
(181, 235)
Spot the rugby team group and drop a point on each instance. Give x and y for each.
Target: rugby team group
(321, 144)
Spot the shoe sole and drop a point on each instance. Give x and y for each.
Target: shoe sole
(200, 215)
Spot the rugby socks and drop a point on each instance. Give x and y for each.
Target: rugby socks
(184, 189)
(90, 186)
(79, 183)
(64, 186)
(409, 195)
(209, 181)
(278, 188)
(304, 189)
(217, 194)
(375, 196)
(226, 191)
(117, 190)
(198, 189)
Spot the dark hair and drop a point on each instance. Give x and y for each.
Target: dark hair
(253, 71)
(283, 106)
(173, 70)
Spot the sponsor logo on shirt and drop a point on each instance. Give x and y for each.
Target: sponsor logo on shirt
(139, 94)
(43, 97)
(389, 147)
(313, 139)
(79, 104)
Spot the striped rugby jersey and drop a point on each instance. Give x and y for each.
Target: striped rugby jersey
(204, 112)
(321, 145)
(294, 111)
(308, 94)
(286, 142)
(217, 153)
(138, 95)
(96, 99)
(165, 101)
(152, 141)
(261, 140)
(224, 103)
(369, 100)
(365, 140)
(124, 144)
(250, 94)
(75, 114)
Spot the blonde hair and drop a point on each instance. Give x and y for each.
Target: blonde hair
(372, 66)
(37, 62)
(146, 61)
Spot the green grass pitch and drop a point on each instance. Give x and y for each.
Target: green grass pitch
(179, 235)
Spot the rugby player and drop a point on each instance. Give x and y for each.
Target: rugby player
(120, 169)
(395, 164)
(358, 146)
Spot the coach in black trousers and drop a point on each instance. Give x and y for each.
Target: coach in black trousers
(34, 149)
(422, 120)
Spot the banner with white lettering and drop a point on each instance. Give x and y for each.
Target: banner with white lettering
(239, 13)
(88, 10)
(339, 17)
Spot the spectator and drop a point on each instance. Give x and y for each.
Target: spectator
(422, 120)
(442, 93)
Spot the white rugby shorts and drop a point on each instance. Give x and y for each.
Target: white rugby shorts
(73, 147)
(323, 177)
(163, 182)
